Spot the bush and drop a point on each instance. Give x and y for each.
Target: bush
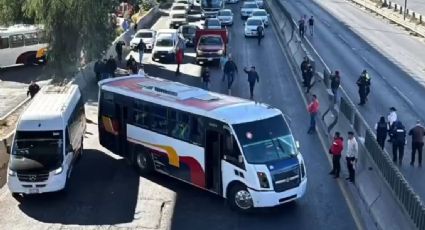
(148, 4)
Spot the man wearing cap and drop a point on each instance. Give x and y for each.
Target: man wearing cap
(252, 78)
(417, 133)
(392, 117)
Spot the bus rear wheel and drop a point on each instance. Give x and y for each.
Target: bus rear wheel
(240, 199)
(143, 162)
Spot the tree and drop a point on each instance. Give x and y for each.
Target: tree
(77, 29)
(12, 12)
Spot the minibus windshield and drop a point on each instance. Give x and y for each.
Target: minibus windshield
(266, 140)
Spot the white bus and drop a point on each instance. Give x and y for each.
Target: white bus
(48, 141)
(235, 148)
(210, 8)
(22, 44)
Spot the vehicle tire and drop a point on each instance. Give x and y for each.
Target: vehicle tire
(16, 195)
(240, 199)
(143, 162)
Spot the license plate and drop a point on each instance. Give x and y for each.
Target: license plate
(210, 59)
(33, 190)
(162, 55)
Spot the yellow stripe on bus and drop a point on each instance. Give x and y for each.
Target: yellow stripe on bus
(173, 157)
(108, 125)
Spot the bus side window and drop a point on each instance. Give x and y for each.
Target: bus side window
(159, 118)
(141, 114)
(4, 42)
(196, 130)
(30, 39)
(180, 126)
(42, 38)
(16, 40)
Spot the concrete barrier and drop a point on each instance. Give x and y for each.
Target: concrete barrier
(386, 206)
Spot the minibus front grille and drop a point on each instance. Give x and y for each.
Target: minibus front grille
(33, 177)
(283, 181)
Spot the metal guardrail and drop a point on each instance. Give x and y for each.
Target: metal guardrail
(395, 179)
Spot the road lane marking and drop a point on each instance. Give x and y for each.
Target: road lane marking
(403, 95)
(349, 202)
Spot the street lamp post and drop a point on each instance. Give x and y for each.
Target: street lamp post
(405, 9)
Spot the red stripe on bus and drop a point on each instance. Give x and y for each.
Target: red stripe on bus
(196, 173)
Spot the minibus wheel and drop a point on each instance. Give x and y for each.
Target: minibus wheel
(240, 199)
(144, 162)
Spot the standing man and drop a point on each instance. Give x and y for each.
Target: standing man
(362, 83)
(382, 129)
(417, 133)
(399, 140)
(313, 109)
(301, 27)
(118, 49)
(309, 75)
(260, 33)
(141, 48)
(223, 61)
(336, 150)
(252, 78)
(335, 83)
(179, 59)
(351, 156)
(205, 77)
(311, 25)
(229, 70)
(97, 69)
(392, 118)
(111, 66)
(33, 89)
(304, 68)
(132, 65)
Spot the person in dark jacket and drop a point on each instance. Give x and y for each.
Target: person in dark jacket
(252, 79)
(335, 83)
(308, 77)
(118, 49)
(382, 128)
(103, 69)
(132, 65)
(304, 68)
(97, 69)
(205, 74)
(417, 133)
(33, 89)
(363, 83)
(141, 47)
(229, 70)
(260, 33)
(301, 26)
(335, 150)
(399, 140)
(111, 66)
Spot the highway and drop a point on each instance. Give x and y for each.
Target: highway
(349, 39)
(105, 192)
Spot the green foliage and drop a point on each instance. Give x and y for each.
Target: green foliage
(148, 4)
(76, 28)
(12, 12)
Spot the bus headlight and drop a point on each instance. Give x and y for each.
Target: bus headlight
(302, 170)
(264, 182)
(11, 173)
(58, 170)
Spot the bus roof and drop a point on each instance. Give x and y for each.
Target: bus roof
(19, 29)
(191, 99)
(50, 108)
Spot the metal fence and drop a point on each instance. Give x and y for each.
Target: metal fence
(401, 188)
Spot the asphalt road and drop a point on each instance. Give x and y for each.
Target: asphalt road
(105, 192)
(350, 40)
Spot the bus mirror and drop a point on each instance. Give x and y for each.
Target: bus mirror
(240, 159)
(297, 144)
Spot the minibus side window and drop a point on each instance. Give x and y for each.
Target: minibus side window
(231, 149)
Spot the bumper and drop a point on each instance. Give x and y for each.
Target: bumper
(251, 33)
(208, 57)
(272, 198)
(209, 15)
(245, 15)
(162, 56)
(53, 184)
(226, 23)
(176, 25)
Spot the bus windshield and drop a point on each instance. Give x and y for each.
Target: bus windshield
(211, 3)
(266, 140)
(44, 147)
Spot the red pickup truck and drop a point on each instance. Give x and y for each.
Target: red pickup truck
(211, 44)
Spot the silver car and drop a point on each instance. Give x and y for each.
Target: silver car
(226, 17)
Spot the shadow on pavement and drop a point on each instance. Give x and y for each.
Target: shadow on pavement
(25, 74)
(107, 195)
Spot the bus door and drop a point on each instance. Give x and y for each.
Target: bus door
(122, 137)
(213, 155)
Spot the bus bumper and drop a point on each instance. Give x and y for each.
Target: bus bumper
(272, 198)
(52, 184)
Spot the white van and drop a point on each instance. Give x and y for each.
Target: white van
(166, 43)
(48, 141)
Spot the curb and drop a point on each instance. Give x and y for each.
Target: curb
(3, 119)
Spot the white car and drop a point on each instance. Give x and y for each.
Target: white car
(261, 14)
(179, 8)
(247, 9)
(165, 45)
(184, 2)
(225, 17)
(212, 23)
(148, 37)
(232, 1)
(260, 4)
(251, 26)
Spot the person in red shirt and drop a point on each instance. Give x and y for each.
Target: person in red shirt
(313, 108)
(336, 150)
(179, 59)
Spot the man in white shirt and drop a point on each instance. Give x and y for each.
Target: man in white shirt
(392, 116)
(351, 156)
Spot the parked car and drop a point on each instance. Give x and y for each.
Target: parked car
(251, 26)
(211, 44)
(148, 37)
(212, 23)
(247, 8)
(261, 13)
(188, 32)
(225, 17)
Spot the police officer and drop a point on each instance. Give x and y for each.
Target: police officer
(399, 140)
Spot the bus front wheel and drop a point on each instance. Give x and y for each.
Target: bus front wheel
(144, 162)
(240, 199)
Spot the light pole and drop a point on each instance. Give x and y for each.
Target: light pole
(405, 9)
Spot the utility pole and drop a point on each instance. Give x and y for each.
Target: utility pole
(405, 9)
